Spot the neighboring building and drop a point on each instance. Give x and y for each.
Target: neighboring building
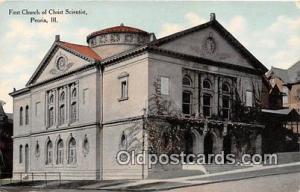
(83, 104)
(288, 82)
(6, 145)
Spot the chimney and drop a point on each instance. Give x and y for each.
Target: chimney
(212, 16)
(57, 38)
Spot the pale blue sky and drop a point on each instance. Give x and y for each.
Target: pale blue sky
(270, 30)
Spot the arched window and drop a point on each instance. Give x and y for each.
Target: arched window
(51, 117)
(62, 97)
(21, 154)
(51, 99)
(21, 115)
(49, 153)
(62, 114)
(225, 88)
(186, 81)
(72, 151)
(73, 112)
(26, 115)
(123, 141)
(74, 93)
(86, 146)
(206, 84)
(37, 149)
(60, 152)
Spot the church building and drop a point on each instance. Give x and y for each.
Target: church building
(85, 103)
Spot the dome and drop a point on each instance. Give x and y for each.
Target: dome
(116, 29)
(114, 40)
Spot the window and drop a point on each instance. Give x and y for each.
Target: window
(226, 106)
(226, 100)
(62, 97)
(37, 149)
(21, 154)
(62, 114)
(74, 93)
(49, 153)
(21, 116)
(206, 105)
(86, 146)
(26, 115)
(72, 151)
(186, 81)
(206, 84)
(123, 141)
(51, 99)
(60, 151)
(186, 102)
(51, 117)
(124, 89)
(249, 98)
(164, 85)
(73, 112)
(285, 98)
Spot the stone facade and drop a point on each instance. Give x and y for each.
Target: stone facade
(85, 103)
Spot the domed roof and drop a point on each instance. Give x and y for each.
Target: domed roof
(117, 29)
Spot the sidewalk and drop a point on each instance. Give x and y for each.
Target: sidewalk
(167, 184)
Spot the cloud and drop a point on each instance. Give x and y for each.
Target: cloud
(169, 28)
(191, 19)
(237, 24)
(194, 19)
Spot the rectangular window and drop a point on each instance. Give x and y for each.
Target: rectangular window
(285, 98)
(249, 98)
(226, 106)
(206, 105)
(51, 117)
(62, 115)
(164, 85)
(73, 112)
(124, 89)
(186, 102)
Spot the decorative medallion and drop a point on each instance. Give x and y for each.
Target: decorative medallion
(210, 44)
(61, 64)
(103, 38)
(141, 39)
(128, 38)
(114, 38)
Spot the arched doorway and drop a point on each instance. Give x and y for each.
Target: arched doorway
(208, 146)
(227, 146)
(189, 143)
(26, 158)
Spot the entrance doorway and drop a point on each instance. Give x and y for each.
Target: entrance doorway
(189, 144)
(226, 146)
(208, 147)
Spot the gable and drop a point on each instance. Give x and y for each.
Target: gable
(213, 42)
(207, 43)
(60, 62)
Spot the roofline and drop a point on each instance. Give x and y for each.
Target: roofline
(96, 33)
(48, 55)
(215, 23)
(27, 89)
(19, 92)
